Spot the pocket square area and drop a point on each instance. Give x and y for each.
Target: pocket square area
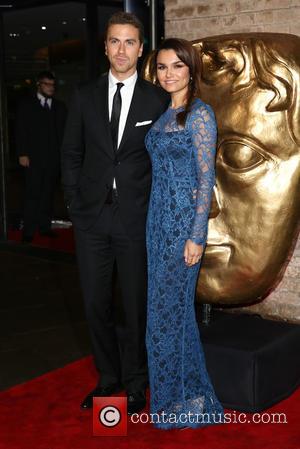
(146, 122)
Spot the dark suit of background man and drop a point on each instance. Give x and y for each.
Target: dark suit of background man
(39, 132)
(107, 180)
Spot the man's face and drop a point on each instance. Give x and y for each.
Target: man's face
(46, 87)
(123, 48)
(255, 208)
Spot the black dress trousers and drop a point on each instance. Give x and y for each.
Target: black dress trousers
(97, 250)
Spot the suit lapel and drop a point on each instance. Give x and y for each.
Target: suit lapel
(133, 113)
(36, 103)
(54, 107)
(100, 99)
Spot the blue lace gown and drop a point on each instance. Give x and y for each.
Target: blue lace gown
(183, 162)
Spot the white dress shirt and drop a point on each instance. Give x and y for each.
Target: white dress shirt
(126, 95)
(43, 100)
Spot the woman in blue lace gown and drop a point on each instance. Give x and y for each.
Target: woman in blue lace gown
(182, 146)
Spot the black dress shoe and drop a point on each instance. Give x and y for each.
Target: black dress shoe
(136, 401)
(49, 233)
(102, 392)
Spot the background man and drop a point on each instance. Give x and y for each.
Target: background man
(39, 133)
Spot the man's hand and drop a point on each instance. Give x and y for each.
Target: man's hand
(192, 253)
(24, 161)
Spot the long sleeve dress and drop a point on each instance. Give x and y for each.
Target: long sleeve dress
(183, 176)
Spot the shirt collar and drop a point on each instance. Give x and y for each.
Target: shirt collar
(128, 82)
(43, 99)
(40, 97)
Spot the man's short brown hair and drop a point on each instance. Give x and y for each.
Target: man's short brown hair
(126, 18)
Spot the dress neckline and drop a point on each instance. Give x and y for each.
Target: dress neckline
(182, 107)
(175, 109)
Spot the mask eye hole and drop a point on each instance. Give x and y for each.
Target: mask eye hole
(239, 156)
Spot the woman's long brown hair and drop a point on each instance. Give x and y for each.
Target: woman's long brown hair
(190, 57)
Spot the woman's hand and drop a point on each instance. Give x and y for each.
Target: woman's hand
(192, 253)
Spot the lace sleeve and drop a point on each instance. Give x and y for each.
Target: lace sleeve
(204, 135)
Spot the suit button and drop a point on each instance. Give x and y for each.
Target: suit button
(116, 162)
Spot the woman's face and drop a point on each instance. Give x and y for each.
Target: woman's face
(173, 75)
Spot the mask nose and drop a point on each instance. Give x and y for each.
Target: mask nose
(215, 204)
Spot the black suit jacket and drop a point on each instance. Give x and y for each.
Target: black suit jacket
(89, 163)
(39, 133)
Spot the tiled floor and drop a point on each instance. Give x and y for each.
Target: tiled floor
(42, 323)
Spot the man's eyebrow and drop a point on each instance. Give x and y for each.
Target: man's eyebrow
(128, 39)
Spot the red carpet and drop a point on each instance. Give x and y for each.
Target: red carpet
(64, 241)
(44, 414)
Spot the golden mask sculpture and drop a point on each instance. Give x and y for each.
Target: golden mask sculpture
(252, 81)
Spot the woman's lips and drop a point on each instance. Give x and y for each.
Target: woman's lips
(216, 254)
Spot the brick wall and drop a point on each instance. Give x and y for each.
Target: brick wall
(192, 19)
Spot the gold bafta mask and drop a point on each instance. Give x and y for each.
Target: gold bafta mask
(252, 81)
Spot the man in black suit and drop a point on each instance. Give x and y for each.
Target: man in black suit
(107, 179)
(39, 132)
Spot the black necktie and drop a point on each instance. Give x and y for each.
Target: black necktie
(46, 105)
(115, 115)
